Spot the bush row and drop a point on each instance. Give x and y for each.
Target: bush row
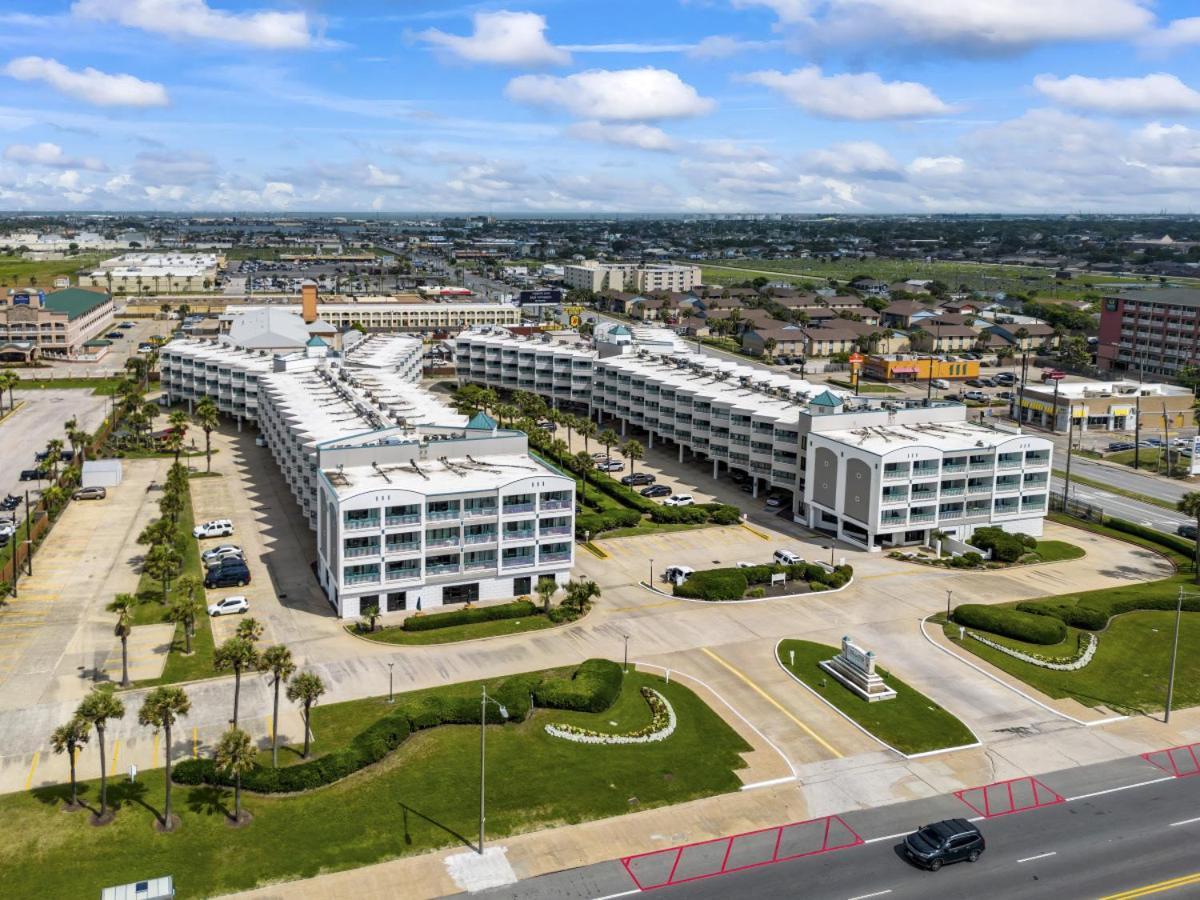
(1020, 626)
(731, 583)
(593, 687)
(1170, 541)
(595, 523)
(714, 584)
(1094, 616)
(518, 609)
(1005, 546)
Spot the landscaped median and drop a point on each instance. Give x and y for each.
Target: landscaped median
(757, 582)
(1108, 647)
(1007, 550)
(910, 723)
(386, 780)
(462, 624)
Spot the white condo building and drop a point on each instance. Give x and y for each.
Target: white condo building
(847, 462)
(396, 484)
(641, 278)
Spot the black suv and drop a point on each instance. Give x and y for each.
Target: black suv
(227, 576)
(950, 841)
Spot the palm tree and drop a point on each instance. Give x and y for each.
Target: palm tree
(582, 463)
(236, 654)
(54, 497)
(370, 616)
(54, 449)
(178, 420)
(162, 563)
(186, 608)
(159, 710)
(157, 532)
(250, 629)
(633, 451)
(236, 756)
(588, 429)
(558, 448)
(122, 605)
(546, 589)
(96, 709)
(581, 593)
(306, 689)
(149, 412)
(608, 439)
(79, 440)
(568, 422)
(278, 661)
(207, 418)
(170, 504)
(1189, 505)
(8, 380)
(68, 739)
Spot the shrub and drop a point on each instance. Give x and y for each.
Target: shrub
(1071, 613)
(593, 687)
(722, 513)
(518, 609)
(597, 523)
(817, 586)
(1170, 541)
(714, 584)
(1005, 547)
(1021, 626)
(757, 592)
(626, 496)
(679, 515)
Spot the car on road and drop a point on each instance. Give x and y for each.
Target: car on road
(1186, 531)
(677, 574)
(948, 841)
(90, 493)
(216, 554)
(787, 557)
(655, 490)
(213, 528)
(679, 500)
(230, 573)
(237, 604)
(638, 478)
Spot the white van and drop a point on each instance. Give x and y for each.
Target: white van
(677, 575)
(941, 384)
(787, 557)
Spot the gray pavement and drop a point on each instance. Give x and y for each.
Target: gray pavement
(40, 419)
(1122, 825)
(1122, 507)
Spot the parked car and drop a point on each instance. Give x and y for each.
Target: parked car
(237, 604)
(115, 335)
(987, 381)
(949, 841)
(125, 325)
(216, 554)
(975, 382)
(227, 576)
(941, 384)
(977, 396)
(677, 574)
(1006, 378)
(547, 425)
(656, 490)
(611, 466)
(787, 557)
(1186, 531)
(638, 478)
(8, 529)
(774, 502)
(214, 528)
(679, 500)
(90, 493)
(30, 475)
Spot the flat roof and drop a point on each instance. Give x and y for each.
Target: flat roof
(75, 302)
(948, 436)
(1174, 296)
(454, 475)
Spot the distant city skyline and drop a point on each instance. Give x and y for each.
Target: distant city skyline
(794, 106)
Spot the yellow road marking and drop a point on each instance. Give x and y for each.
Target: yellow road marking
(1157, 888)
(754, 687)
(32, 768)
(195, 743)
(756, 532)
(595, 551)
(116, 752)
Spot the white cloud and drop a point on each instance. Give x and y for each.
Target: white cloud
(965, 25)
(862, 97)
(377, 177)
(614, 95)
(1179, 33)
(1148, 95)
(789, 12)
(89, 84)
(196, 19)
(503, 37)
(937, 166)
(643, 137)
(51, 156)
(864, 158)
(722, 46)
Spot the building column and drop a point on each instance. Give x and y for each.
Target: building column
(624, 422)
(239, 418)
(716, 469)
(681, 452)
(649, 439)
(754, 483)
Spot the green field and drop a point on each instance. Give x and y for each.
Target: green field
(100, 386)
(1057, 551)
(1150, 459)
(911, 722)
(454, 633)
(422, 797)
(17, 272)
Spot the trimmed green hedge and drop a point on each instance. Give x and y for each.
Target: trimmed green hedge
(721, 584)
(593, 687)
(1005, 547)
(595, 523)
(714, 584)
(1020, 626)
(518, 609)
(1170, 541)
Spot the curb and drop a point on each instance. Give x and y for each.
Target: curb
(1015, 690)
(871, 735)
(716, 603)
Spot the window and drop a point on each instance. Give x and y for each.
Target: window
(522, 585)
(460, 593)
(396, 601)
(368, 600)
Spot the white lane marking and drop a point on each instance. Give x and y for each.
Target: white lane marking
(1039, 856)
(1126, 787)
(1185, 822)
(887, 837)
(876, 894)
(622, 894)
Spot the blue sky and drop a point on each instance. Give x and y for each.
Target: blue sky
(570, 106)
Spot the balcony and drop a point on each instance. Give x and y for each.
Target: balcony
(391, 521)
(442, 569)
(522, 535)
(442, 542)
(1009, 463)
(476, 564)
(405, 547)
(889, 499)
(922, 516)
(948, 514)
(442, 515)
(486, 537)
(402, 574)
(982, 465)
(479, 512)
(979, 488)
(515, 508)
(517, 561)
(360, 524)
(895, 474)
(556, 530)
(350, 552)
(556, 556)
(367, 578)
(548, 505)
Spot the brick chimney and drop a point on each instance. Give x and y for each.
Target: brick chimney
(308, 302)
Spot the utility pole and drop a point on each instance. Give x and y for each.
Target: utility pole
(1054, 416)
(1070, 436)
(1137, 420)
(1174, 657)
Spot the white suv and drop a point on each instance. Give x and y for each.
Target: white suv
(788, 558)
(237, 604)
(215, 528)
(679, 500)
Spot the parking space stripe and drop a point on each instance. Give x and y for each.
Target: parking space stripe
(32, 768)
(116, 752)
(779, 706)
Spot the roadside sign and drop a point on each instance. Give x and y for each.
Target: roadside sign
(574, 321)
(855, 358)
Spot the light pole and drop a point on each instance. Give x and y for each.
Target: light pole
(832, 549)
(391, 697)
(652, 571)
(482, 722)
(948, 596)
(626, 652)
(1174, 656)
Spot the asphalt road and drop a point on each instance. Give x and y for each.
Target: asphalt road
(1121, 826)
(1122, 507)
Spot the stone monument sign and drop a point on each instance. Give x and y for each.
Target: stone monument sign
(854, 667)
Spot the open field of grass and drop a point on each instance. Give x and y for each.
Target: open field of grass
(911, 722)
(423, 796)
(1057, 551)
(17, 272)
(104, 387)
(1150, 459)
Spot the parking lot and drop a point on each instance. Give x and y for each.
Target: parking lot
(39, 420)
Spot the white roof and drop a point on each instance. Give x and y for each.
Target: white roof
(946, 437)
(268, 328)
(454, 476)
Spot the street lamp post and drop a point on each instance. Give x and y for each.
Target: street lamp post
(832, 549)
(949, 594)
(391, 696)
(626, 651)
(482, 722)
(1174, 656)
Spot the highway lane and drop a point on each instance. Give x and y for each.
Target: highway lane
(1122, 826)
(1123, 507)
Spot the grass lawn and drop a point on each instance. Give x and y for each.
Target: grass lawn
(1151, 459)
(103, 387)
(912, 723)
(1057, 551)
(425, 796)
(453, 633)
(151, 610)
(18, 272)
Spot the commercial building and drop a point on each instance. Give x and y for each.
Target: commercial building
(414, 507)
(789, 436)
(59, 325)
(1150, 332)
(1107, 406)
(157, 273)
(911, 367)
(595, 276)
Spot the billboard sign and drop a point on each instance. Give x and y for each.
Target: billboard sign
(540, 295)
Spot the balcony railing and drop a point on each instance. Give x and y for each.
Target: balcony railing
(556, 529)
(403, 574)
(441, 542)
(358, 524)
(407, 547)
(523, 535)
(401, 520)
(369, 578)
(980, 466)
(922, 517)
(1009, 464)
(479, 511)
(895, 474)
(485, 538)
(951, 514)
(516, 561)
(979, 489)
(512, 509)
(361, 551)
(554, 504)
(480, 564)
(895, 498)
(442, 515)
(441, 569)
(556, 556)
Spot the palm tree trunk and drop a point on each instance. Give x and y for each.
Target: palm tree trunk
(187, 637)
(237, 689)
(207, 451)
(124, 660)
(307, 711)
(237, 798)
(74, 784)
(167, 752)
(103, 774)
(275, 728)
